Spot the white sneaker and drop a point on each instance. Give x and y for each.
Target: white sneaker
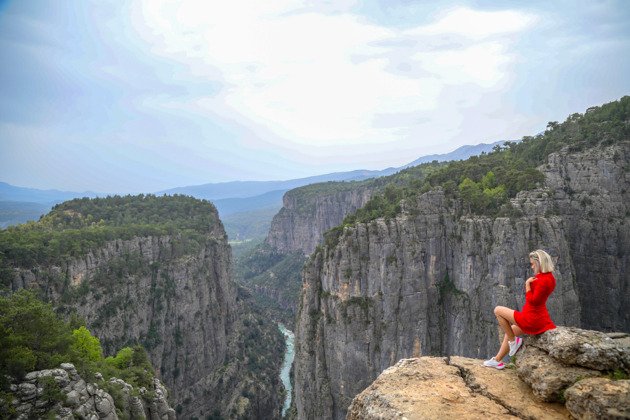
(493, 363)
(515, 345)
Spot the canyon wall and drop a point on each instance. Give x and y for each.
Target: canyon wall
(304, 217)
(426, 283)
(177, 298)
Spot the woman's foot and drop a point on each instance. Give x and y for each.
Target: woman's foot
(493, 363)
(515, 345)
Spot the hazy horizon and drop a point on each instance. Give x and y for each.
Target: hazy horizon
(146, 95)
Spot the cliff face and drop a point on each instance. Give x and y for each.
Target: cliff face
(591, 191)
(303, 219)
(176, 298)
(426, 284)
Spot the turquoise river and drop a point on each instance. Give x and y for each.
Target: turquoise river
(286, 367)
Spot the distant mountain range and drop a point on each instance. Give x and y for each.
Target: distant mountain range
(18, 205)
(243, 189)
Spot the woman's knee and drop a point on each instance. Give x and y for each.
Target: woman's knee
(498, 310)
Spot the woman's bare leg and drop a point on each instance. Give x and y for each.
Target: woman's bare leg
(506, 319)
(505, 347)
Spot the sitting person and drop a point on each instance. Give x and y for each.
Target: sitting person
(534, 318)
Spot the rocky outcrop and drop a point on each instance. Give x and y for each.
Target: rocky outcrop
(425, 282)
(68, 396)
(459, 387)
(599, 398)
(555, 360)
(305, 217)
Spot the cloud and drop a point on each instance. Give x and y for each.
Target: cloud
(316, 78)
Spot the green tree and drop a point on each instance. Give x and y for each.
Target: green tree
(32, 336)
(88, 347)
(123, 358)
(469, 192)
(488, 181)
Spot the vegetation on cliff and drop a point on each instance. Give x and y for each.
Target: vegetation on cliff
(134, 267)
(485, 183)
(75, 227)
(34, 337)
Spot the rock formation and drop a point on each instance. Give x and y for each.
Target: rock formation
(67, 395)
(177, 298)
(459, 387)
(425, 282)
(305, 217)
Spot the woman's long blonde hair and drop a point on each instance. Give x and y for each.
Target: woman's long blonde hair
(542, 261)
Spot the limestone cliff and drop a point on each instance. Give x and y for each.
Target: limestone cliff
(425, 282)
(174, 295)
(304, 217)
(591, 191)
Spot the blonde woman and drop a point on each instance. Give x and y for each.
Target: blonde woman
(534, 318)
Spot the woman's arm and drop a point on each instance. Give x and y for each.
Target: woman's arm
(540, 295)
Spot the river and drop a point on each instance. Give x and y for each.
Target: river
(286, 367)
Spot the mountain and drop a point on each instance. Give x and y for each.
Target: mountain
(463, 152)
(14, 212)
(11, 193)
(241, 189)
(230, 206)
(229, 197)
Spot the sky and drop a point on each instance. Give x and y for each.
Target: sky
(130, 96)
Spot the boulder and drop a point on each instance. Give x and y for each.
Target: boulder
(592, 349)
(547, 376)
(599, 398)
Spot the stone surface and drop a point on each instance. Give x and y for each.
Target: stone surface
(95, 404)
(434, 388)
(599, 398)
(548, 376)
(586, 348)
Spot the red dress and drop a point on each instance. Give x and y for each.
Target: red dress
(534, 318)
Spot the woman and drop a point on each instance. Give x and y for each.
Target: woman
(534, 318)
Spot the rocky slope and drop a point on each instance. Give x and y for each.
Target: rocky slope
(459, 387)
(426, 283)
(67, 395)
(176, 297)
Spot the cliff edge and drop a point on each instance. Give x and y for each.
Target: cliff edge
(561, 373)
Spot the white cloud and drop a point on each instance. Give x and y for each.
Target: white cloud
(294, 70)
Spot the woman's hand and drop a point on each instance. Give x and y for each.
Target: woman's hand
(528, 283)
